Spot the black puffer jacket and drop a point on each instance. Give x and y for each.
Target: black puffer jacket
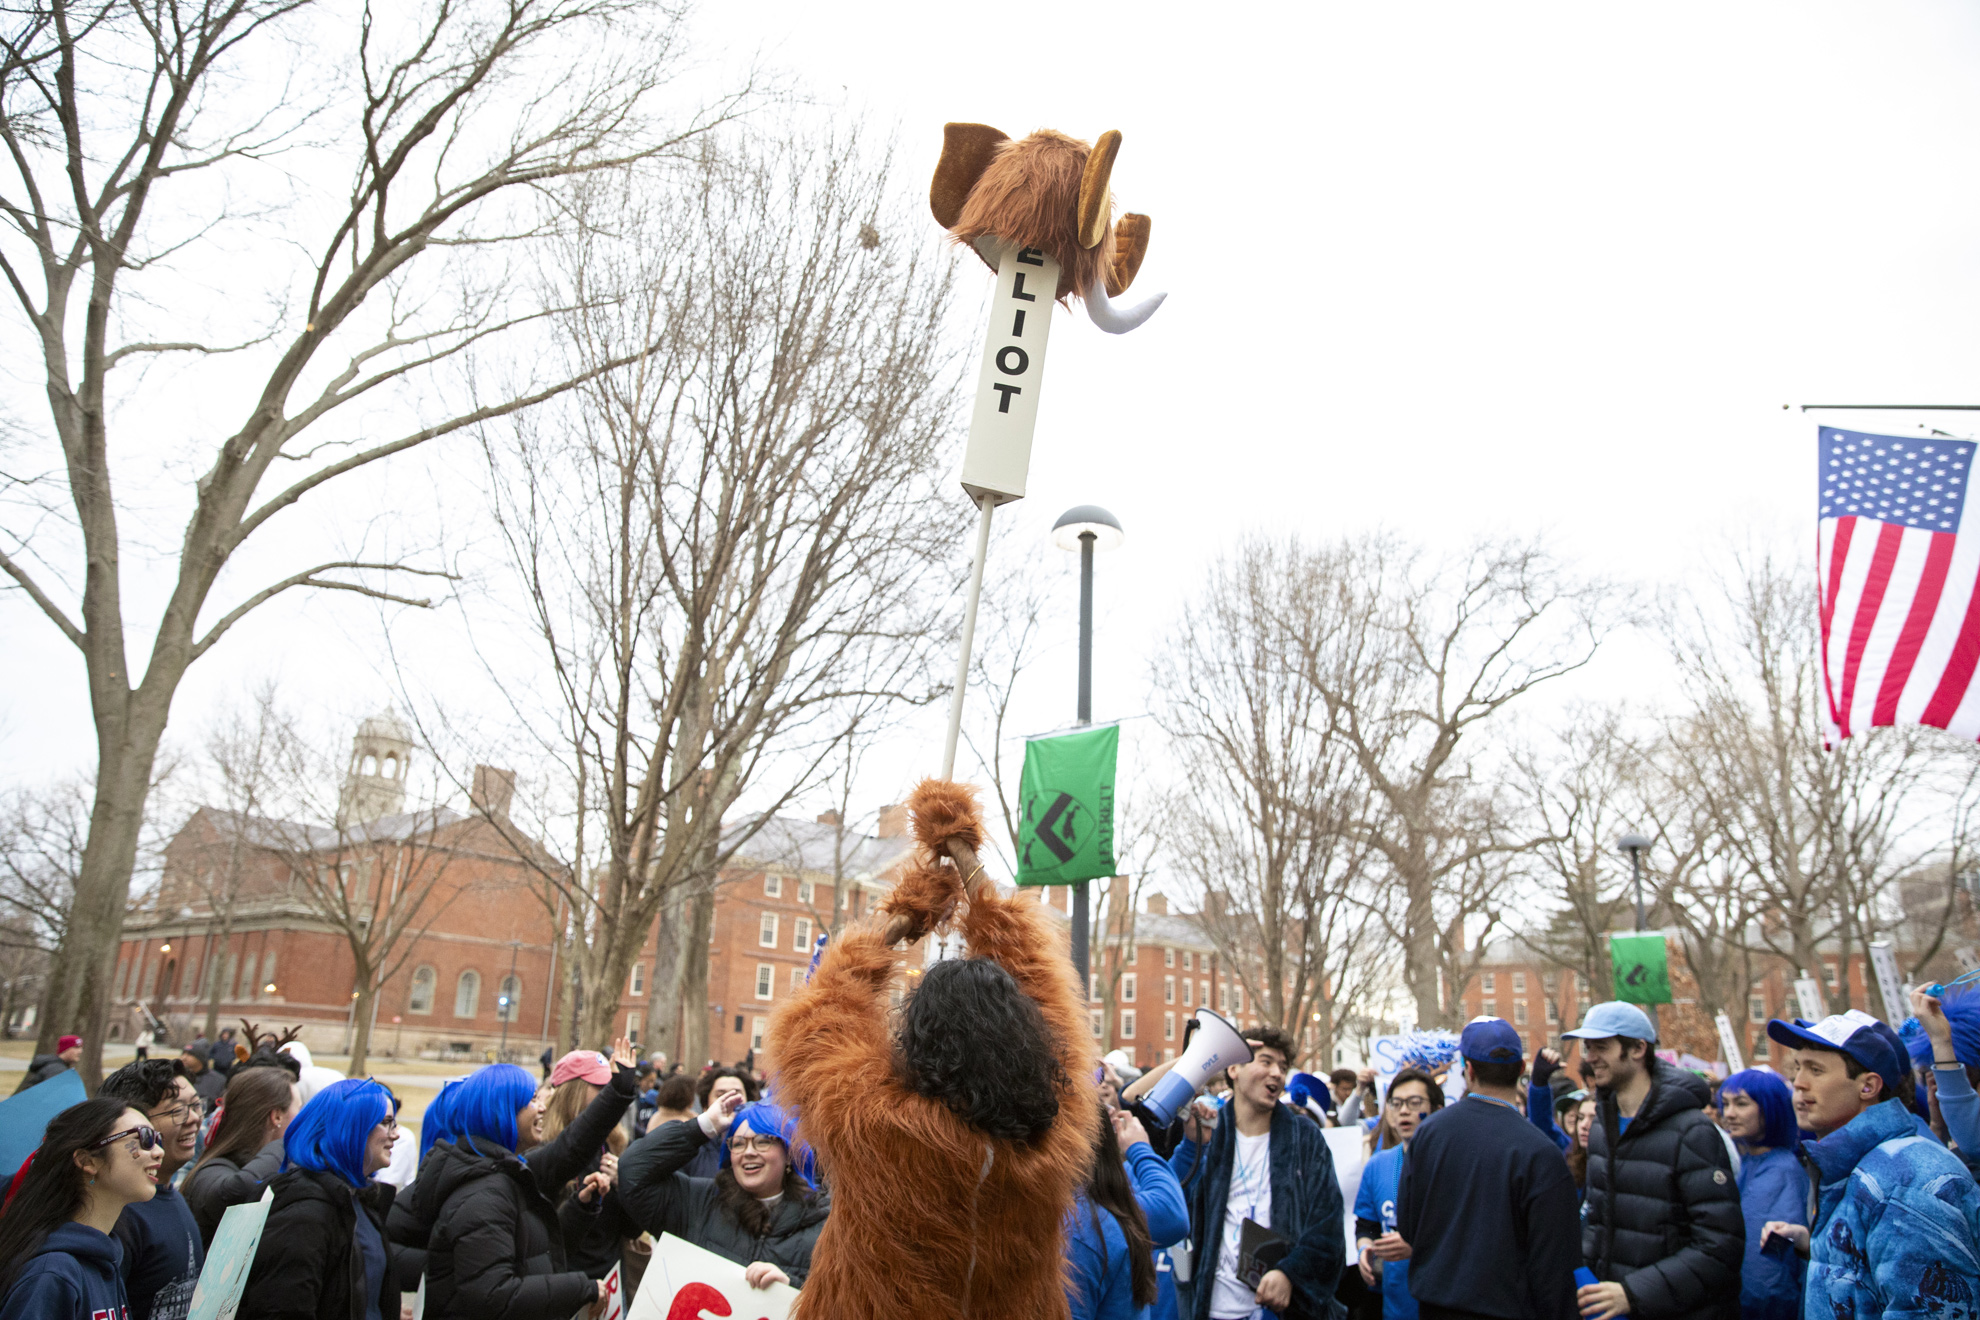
(662, 1199)
(40, 1068)
(308, 1264)
(217, 1183)
(1662, 1216)
(494, 1249)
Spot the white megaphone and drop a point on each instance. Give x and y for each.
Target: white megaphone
(1217, 1045)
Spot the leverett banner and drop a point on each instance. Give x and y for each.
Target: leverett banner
(1067, 800)
(999, 455)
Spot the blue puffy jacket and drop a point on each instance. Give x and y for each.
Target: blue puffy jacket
(1771, 1186)
(1101, 1282)
(1895, 1225)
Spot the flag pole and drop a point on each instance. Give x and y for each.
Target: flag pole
(989, 504)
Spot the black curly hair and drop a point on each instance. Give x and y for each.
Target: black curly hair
(972, 1039)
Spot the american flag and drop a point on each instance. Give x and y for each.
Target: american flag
(1900, 584)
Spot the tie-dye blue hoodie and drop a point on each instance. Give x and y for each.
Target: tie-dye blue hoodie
(1895, 1226)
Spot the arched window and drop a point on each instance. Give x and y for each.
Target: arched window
(244, 983)
(505, 1003)
(370, 766)
(420, 1000)
(391, 767)
(467, 994)
(265, 983)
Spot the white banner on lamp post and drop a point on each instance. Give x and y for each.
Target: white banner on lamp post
(1883, 960)
(1729, 1043)
(999, 455)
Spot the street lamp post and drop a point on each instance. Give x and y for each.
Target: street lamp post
(1089, 528)
(1634, 844)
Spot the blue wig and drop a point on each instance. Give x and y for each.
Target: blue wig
(1776, 1103)
(331, 1132)
(438, 1123)
(486, 1102)
(768, 1119)
(1963, 1012)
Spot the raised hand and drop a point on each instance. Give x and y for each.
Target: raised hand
(623, 1054)
(1128, 1130)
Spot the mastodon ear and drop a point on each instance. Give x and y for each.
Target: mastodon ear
(966, 153)
(1096, 206)
(1130, 246)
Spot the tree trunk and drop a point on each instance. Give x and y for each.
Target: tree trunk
(663, 1005)
(694, 981)
(1421, 966)
(361, 1025)
(216, 965)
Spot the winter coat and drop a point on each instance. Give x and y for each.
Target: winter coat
(1101, 1286)
(1307, 1210)
(308, 1264)
(1771, 1186)
(77, 1274)
(217, 1184)
(595, 1231)
(494, 1247)
(1896, 1220)
(40, 1068)
(1662, 1210)
(663, 1199)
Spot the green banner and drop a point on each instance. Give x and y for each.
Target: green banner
(1067, 796)
(1642, 968)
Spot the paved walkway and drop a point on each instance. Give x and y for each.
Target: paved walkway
(117, 1058)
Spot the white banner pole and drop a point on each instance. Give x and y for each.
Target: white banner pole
(989, 505)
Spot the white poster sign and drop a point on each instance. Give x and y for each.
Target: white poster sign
(223, 1278)
(1883, 961)
(999, 455)
(1808, 997)
(1729, 1043)
(1345, 1144)
(615, 1300)
(684, 1282)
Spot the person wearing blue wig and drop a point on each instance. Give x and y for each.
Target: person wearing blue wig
(324, 1250)
(486, 1196)
(1757, 1110)
(760, 1210)
(1952, 1034)
(435, 1126)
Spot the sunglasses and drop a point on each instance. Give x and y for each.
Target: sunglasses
(147, 1138)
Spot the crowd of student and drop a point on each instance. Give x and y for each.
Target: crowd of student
(1489, 1188)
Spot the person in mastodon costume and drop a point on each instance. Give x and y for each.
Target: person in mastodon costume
(954, 1143)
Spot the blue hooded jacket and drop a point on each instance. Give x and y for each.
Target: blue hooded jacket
(1100, 1284)
(76, 1275)
(1896, 1220)
(1771, 1186)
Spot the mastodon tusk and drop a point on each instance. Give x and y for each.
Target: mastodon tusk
(1118, 320)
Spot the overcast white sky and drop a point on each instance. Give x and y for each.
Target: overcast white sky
(1447, 269)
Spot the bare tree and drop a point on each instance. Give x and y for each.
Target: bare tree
(1408, 662)
(727, 548)
(1265, 820)
(448, 119)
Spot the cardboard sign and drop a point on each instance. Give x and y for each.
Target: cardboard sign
(684, 1282)
(23, 1118)
(615, 1299)
(223, 1278)
(998, 458)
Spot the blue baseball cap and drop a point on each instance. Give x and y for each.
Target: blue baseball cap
(1856, 1034)
(1614, 1018)
(1491, 1040)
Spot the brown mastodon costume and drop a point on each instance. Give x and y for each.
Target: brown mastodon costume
(931, 1215)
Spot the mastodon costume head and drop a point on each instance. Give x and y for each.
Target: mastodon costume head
(1051, 192)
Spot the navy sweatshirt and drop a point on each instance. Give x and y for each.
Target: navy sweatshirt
(1487, 1207)
(76, 1275)
(163, 1254)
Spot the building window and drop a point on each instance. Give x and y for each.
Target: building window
(267, 978)
(1488, 1008)
(1224, 998)
(1553, 1014)
(1168, 989)
(1127, 1024)
(804, 891)
(797, 978)
(1519, 983)
(1189, 961)
(1829, 975)
(420, 998)
(467, 994)
(1519, 1012)
(1488, 983)
(1168, 1026)
(508, 1000)
(1168, 957)
(1567, 983)
(1099, 1024)
(1128, 988)
(1547, 981)
(150, 979)
(1756, 1008)
(634, 1021)
(764, 971)
(1202, 993)
(766, 931)
(639, 978)
(1237, 997)
(1760, 1045)
(756, 1032)
(801, 935)
(244, 987)
(1093, 985)
(773, 886)
(1186, 985)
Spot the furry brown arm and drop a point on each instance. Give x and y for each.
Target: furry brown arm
(831, 1039)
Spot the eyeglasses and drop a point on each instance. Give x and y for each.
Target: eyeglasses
(180, 1113)
(147, 1138)
(1409, 1104)
(745, 1145)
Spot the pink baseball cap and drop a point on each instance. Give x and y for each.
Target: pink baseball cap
(588, 1065)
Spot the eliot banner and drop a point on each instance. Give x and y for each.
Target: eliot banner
(1067, 797)
(998, 458)
(1642, 968)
